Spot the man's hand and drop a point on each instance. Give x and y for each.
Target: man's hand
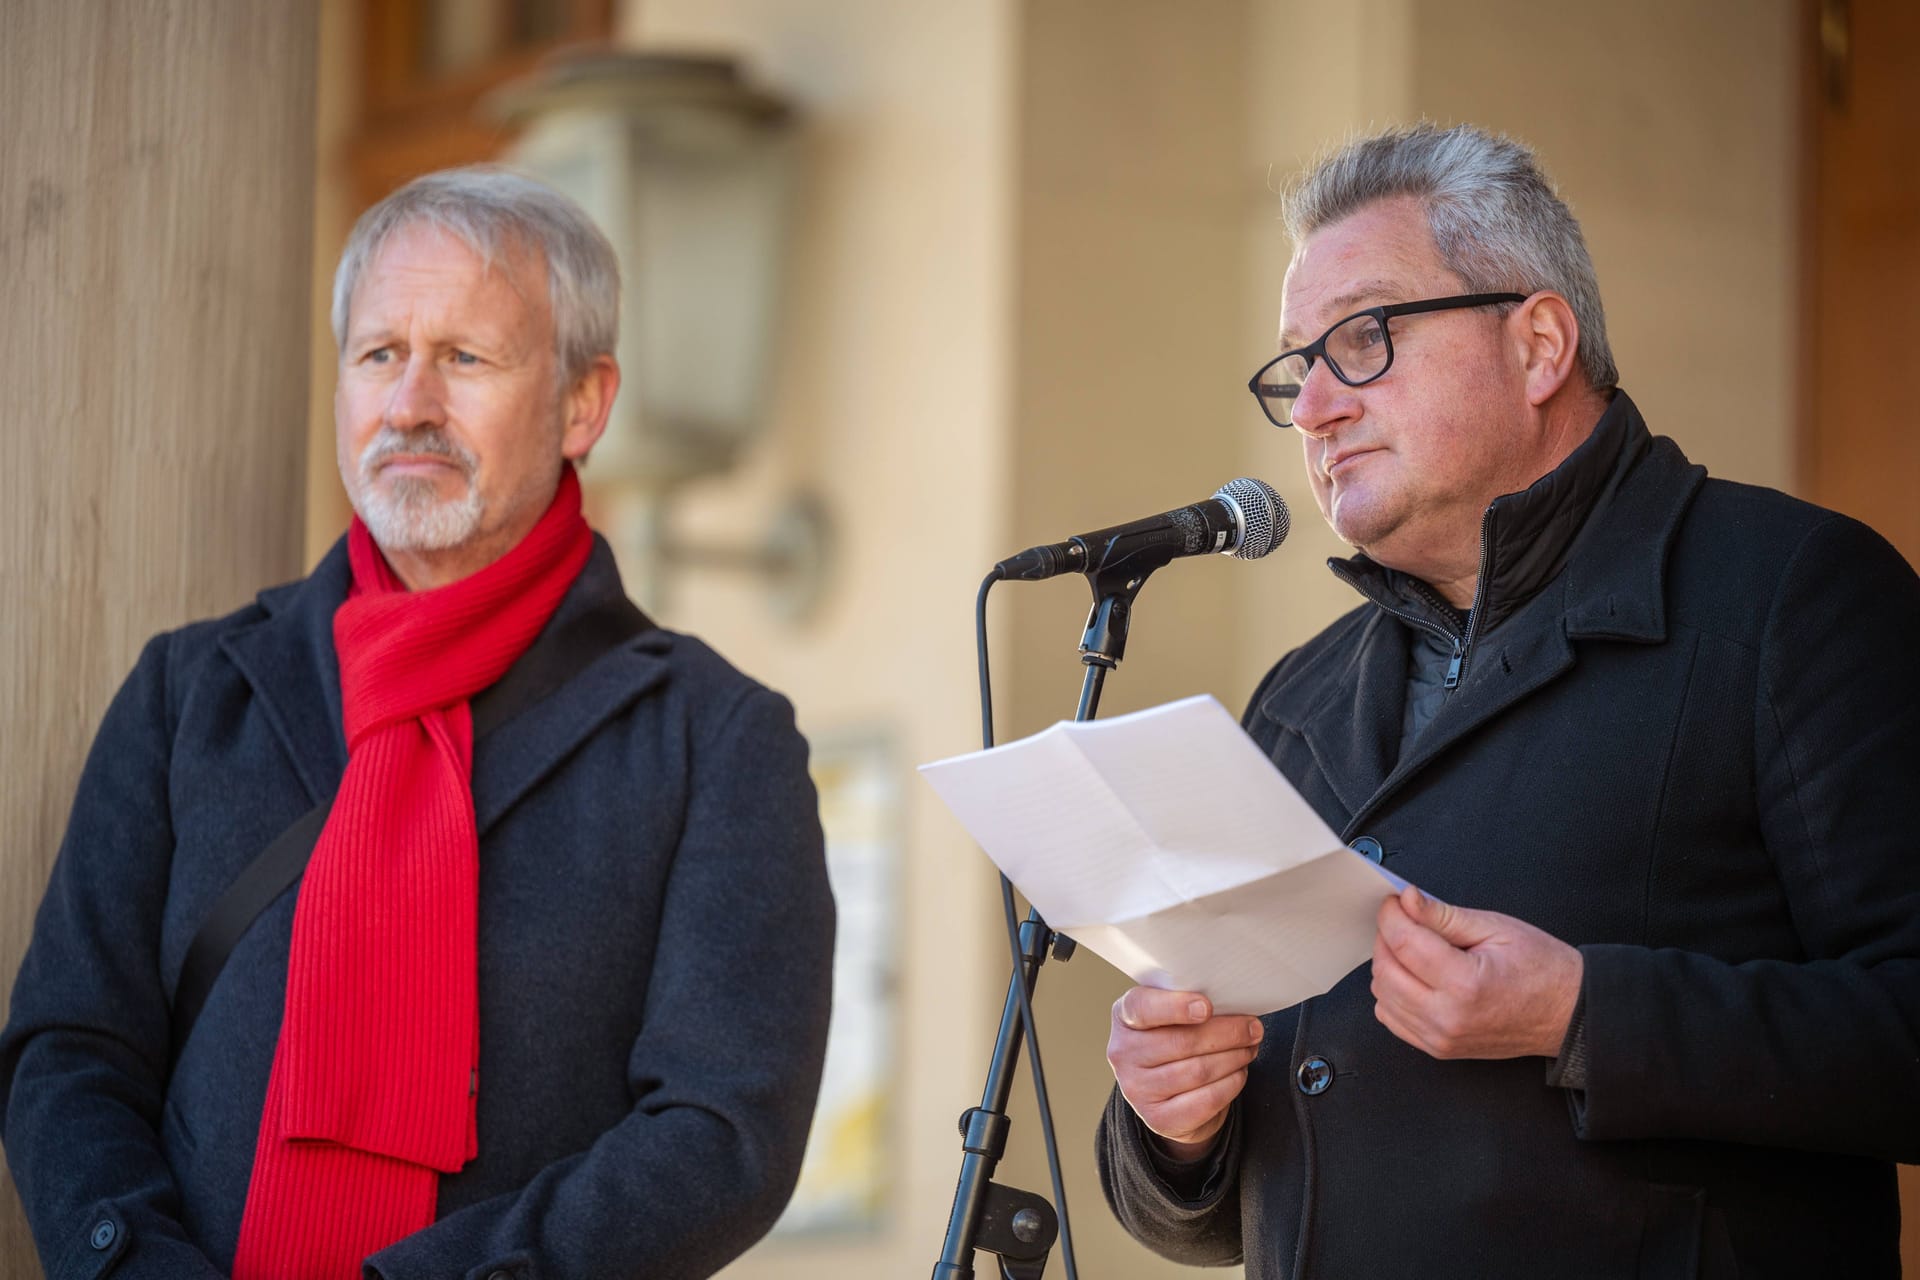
(1178, 1065)
(1457, 983)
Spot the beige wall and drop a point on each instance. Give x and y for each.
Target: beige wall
(155, 192)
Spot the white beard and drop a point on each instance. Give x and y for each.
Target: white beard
(405, 513)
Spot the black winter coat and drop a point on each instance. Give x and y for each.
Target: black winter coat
(655, 961)
(1694, 755)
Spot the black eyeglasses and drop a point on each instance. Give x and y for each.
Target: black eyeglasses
(1357, 349)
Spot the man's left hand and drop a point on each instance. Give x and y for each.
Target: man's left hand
(1458, 983)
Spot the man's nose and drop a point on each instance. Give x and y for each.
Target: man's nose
(1323, 402)
(419, 397)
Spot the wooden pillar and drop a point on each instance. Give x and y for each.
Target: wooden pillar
(156, 192)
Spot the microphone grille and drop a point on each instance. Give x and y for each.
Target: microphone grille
(1264, 519)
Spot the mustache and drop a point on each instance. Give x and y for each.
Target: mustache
(425, 442)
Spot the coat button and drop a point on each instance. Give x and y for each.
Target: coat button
(1314, 1075)
(498, 1275)
(1368, 848)
(103, 1234)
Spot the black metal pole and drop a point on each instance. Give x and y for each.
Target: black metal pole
(984, 1138)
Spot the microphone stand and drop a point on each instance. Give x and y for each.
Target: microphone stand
(1019, 1227)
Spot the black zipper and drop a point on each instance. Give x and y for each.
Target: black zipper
(1456, 665)
(1473, 617)
(1459, 646)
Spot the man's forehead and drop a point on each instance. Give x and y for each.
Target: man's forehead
(428, 255)
(1303, 320)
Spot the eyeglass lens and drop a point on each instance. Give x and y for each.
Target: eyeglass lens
(1357, 349)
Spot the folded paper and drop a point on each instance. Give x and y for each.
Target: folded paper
(1167, 843)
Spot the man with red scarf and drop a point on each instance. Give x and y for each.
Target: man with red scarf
(549, 1000)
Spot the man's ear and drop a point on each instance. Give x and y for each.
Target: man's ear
(1548, 339)
(588, 403)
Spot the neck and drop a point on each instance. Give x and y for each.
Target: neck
(1460, 590)
(1569, 421)
(425, 570)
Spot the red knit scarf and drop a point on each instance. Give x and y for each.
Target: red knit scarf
(375, 1075)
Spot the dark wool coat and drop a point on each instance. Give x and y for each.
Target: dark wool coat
(1694, 754)
(655, 952)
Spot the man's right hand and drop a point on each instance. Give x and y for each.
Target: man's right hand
(1178, 1065)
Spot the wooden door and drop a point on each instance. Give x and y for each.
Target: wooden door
(1860, 435)
(1860, 449)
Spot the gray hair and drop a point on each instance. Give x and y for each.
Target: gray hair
(495, 212)
(1496, 219)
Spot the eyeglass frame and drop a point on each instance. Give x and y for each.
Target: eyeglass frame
(1317, 349)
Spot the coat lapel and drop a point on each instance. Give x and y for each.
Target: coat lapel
(288, 659)
(1347, 706)
(519, 754)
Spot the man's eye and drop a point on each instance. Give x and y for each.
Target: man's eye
(1371, 334)
(465, 357)
(379, 355)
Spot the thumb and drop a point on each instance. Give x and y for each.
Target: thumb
(1461, 926)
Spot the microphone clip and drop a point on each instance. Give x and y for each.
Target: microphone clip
(1104, 642)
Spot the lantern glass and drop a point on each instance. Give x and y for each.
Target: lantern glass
(694, 194)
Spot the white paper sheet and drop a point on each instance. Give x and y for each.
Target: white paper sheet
(1167, 843)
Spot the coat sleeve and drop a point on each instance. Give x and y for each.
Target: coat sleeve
(83, 1059)
(726, 1067)
(1821, 1054)
(1202, 1230)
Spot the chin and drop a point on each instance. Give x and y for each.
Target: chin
(1355, 525)
(408, 516)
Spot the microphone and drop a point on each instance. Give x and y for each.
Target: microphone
(1244, 518)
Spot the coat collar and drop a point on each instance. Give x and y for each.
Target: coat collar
(288, 659)
(1526, 537)
(1346, 699)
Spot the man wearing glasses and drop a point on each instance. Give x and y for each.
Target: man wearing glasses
(1644, 741)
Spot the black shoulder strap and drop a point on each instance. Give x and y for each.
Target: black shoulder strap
(554, 659)
(550, 662)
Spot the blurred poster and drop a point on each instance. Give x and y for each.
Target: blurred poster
(842, 1179)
